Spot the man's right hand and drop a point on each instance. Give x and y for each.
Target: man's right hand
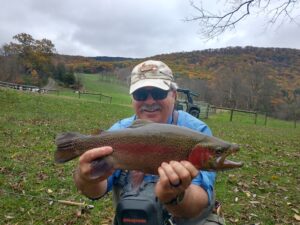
(91, 176)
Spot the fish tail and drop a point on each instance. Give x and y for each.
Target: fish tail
(65, 143)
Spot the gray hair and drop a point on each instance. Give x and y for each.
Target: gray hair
(173, 86)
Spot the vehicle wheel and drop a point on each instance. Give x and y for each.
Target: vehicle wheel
(195, 113)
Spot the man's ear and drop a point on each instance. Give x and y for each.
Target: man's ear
(175, 95)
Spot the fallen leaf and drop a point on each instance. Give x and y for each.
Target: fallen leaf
(248, 193)
(297, 217)
(8, 217)
(254, 202)
(233, 220)
(78, 213)
(295, 210)
(282, 189)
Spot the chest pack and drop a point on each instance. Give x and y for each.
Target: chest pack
(137, 205)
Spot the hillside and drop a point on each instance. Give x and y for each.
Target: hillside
(257, 79)
(249, 78)
(283, 65)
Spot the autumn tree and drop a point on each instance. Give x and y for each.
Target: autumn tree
(291, 107)
(32, 57)
(65, 74)
(214, 23)
(258, 87)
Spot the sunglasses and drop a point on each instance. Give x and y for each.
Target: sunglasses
(156, 93)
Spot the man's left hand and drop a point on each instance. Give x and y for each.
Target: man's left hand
(174, 178)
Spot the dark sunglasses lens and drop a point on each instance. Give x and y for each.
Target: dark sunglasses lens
(140, 95)
(158, 94)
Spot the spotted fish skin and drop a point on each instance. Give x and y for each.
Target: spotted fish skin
(145, 145)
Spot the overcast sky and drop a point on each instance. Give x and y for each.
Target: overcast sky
(131, 28)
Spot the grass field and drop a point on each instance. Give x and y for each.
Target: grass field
(264, 191)
(93, 84)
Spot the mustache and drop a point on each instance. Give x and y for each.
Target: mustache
(152, 107)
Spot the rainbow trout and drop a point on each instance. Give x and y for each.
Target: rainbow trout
(145, 145)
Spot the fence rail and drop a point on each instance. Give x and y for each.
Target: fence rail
(32, 88)
(213, 109)
(19, 86)
(97, 94)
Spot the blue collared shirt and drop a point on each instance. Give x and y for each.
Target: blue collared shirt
(204, 179)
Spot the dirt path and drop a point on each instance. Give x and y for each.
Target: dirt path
(51, 84)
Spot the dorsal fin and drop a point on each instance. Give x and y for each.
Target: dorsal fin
(70, 136)
(97, 131)
(139, 123)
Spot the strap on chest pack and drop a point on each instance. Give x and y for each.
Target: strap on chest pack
(175, 117)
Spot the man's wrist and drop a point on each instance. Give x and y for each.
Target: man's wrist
(177, 200)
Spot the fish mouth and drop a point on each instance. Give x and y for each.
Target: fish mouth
(222, 163)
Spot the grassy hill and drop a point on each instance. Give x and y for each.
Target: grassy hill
(265, 191)
(92, 83)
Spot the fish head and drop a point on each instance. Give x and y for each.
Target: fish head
(212, 155)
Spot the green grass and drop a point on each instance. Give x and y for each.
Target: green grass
(265, 190)
(29, 124)
(249, 118)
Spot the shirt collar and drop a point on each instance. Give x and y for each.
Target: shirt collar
(169, 121)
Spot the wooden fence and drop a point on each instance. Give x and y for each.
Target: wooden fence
(36, 89)
(101, 96)
(22, 87)
(255, 113)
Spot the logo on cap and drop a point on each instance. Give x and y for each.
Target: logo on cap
(147, 68)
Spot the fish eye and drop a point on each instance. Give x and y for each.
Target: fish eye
(219, 151)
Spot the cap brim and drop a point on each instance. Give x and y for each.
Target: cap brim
(158, 83)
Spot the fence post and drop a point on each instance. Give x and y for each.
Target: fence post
(266, 117)
(207, 110)
(295, 119)
(78, 94)
(255, 118)
(231, 115)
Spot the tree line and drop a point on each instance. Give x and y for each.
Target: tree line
(26, 60)
(249, 78)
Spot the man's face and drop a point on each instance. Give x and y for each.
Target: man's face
(155, 110)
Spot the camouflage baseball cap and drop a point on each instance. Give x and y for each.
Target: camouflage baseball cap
(151, 73)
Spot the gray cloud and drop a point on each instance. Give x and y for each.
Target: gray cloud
(129, 28)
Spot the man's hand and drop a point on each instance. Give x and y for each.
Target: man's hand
(91, 167)
(92, 173)
(174, 178)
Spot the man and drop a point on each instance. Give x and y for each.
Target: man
(180, 189)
